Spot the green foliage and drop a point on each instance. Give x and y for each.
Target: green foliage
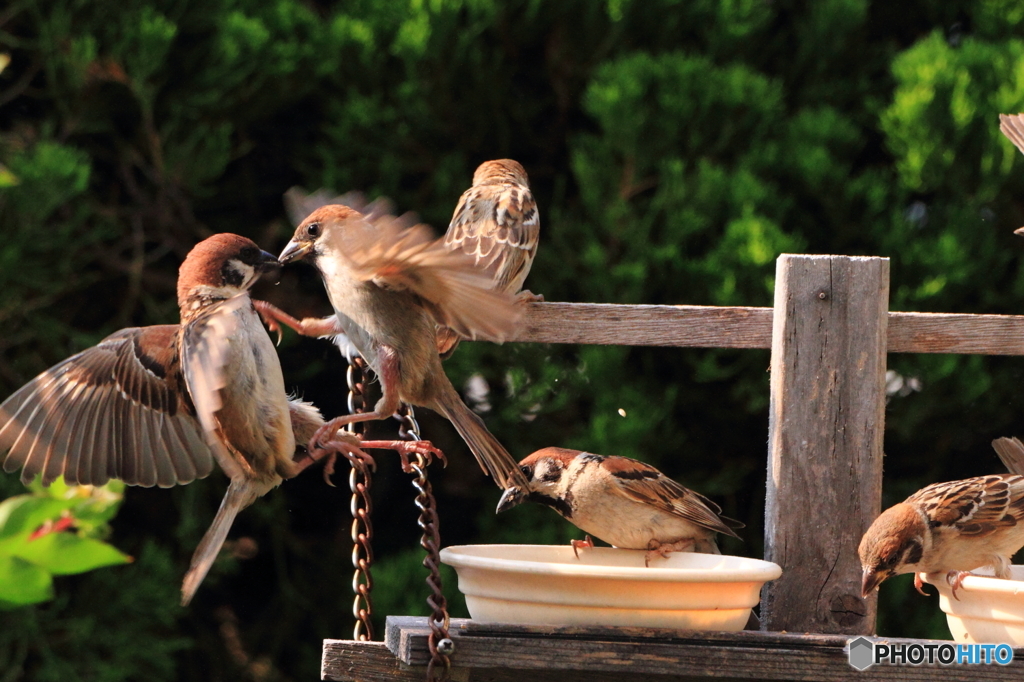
(675, 150)
(35, 543)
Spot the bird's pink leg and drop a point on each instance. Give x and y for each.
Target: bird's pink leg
(577, 545)
(527, 296)
(655, 548)
(274, 317)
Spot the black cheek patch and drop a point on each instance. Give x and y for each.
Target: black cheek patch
(231, 276)
(552, 474)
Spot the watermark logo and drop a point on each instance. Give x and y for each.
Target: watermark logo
(864, 653)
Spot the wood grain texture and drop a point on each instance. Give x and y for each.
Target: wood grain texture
(955, 333)
(749, 327)
(646, 325)
(825, 428)
(510, 653)
(345, 659)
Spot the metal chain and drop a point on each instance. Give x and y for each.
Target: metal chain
(440, 644)
(359, 481)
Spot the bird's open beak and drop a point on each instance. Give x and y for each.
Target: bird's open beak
(267, 262)
(872, 579)
(510, 498)
(294, 251)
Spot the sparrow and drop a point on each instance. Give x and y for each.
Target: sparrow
(953, 527)
(158, 405)
(497, 224)
(622, 501)
(390, 283)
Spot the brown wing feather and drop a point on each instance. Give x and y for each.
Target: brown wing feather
(1012, 125)
(975, 506)
(106, 413)
(643, 483)
(499, 227)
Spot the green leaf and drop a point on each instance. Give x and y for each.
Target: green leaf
(22, 583)
(25, 513)
(66, 553)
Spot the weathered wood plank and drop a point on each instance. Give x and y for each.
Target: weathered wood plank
(348, 660)
(749, 327)
(496, 652)
(825, 428)
(954, 333)
(646, 325)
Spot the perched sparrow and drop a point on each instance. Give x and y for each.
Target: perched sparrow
(497, 223)
(624, 502)
(954, 527)
(156, 405)
(390, 283)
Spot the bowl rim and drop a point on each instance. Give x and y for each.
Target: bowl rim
(759, 570)
(978, 584)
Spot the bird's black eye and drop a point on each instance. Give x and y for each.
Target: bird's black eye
(313, 230)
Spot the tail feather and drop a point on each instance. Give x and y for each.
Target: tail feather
(240, 494)
(493, 458)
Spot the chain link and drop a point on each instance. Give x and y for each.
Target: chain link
(359, 480)
(440, 644)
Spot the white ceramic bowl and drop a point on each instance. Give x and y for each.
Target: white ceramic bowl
(988, 611)
(548, 585)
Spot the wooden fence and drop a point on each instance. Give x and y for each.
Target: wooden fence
(829, 332)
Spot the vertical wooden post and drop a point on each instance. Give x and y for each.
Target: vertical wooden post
(825, 430)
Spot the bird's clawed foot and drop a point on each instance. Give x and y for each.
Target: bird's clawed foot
(527, 296)
(340, 443)
(663, 549)
(919, 584)
(274, 317)
(406, 448)
(577, 545)
(955, 580)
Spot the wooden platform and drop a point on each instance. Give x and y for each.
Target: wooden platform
(511, 653)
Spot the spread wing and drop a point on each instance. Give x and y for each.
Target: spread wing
(205, 349)
(396, 254)
(1012, 125)
(497, 225)
(1011, 452)
(975, 506)
(641, 482)
(115, 410)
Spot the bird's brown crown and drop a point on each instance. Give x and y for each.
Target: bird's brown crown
(321, 216)
(500, 171)
(204, 265)
(887, 537)
(563, 455)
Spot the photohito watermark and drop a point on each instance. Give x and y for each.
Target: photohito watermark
(864, 653)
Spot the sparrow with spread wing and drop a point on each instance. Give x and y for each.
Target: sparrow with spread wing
(390, 283)
(622, 501)
(496, 222)
(157, 405)
(952, 527)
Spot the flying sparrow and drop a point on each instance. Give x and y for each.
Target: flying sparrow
(496, 223)
(157, 405)
(624, 502)
(954, 527)
(390, 284)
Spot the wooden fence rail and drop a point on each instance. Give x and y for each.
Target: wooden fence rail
(696, 326)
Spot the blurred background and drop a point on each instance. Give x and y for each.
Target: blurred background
(674, 148)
